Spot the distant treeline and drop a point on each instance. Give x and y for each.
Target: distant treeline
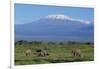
(20, 42)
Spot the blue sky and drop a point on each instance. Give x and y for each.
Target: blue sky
(26, 13)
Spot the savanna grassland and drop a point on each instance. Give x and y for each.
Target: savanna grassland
(59, 52)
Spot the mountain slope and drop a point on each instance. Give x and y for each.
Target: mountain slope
(55, 28)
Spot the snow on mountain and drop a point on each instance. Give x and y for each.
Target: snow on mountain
(63, 17)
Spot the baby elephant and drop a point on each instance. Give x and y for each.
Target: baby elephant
(28, 52)
(41, 53)
(76, 52)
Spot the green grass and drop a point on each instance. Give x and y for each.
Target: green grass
(58, 53)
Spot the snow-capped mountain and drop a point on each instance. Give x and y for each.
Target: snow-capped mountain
(56, 27)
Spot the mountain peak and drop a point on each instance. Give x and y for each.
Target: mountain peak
(58, 16)
(64, 17)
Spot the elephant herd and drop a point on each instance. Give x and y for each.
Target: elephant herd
(76, 52)
(39, 52)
